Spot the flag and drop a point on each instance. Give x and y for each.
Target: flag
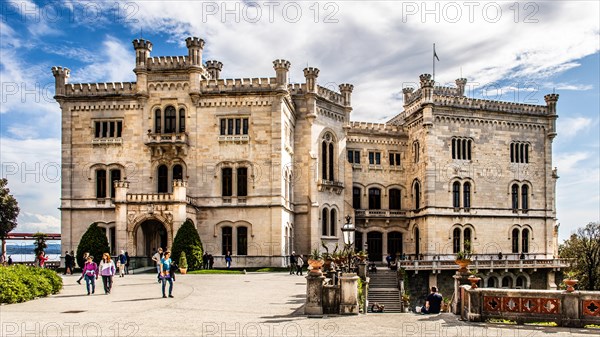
(434, 53)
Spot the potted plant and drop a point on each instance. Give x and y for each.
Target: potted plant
(183, 265)
(474, 279)
(405, 302)
(315, 260)
(463, 258)
(446, 305)
(327, 257)
(570, 281)
(362, 255)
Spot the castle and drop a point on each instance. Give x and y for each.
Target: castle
(264, 167)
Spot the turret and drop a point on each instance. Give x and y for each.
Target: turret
(311, 74)
(407, 93)
(460, 85)
(282, 68)
(551, 100)
(61, 76)
(426, 88)
(195, 46)
(346, 91)
(142, 52)
(214, 69)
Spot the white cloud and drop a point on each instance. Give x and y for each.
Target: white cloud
(34, 222)
(115, 64)
(571, 126)
(569, 162)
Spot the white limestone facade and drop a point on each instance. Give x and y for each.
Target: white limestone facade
(263, 167)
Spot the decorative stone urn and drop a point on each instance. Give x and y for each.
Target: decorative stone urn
(474, 280)
(463, 264)
(315, 265)
(570, 283)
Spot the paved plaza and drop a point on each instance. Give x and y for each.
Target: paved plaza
(255, 304)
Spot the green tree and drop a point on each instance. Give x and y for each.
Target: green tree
(93, 241)
(584, 248)
(40, 243)
(9, 210)
(187, 240)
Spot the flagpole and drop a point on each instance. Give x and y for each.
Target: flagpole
(433, 61)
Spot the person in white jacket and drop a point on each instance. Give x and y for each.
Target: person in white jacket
(107, 270)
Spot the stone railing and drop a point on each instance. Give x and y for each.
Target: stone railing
(330, 185)
(446, 262)
(150, 197)
(574, 309)
(379, 213)
(166, 138)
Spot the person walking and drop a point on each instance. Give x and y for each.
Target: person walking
(165, 273)
(68, 263)
(90, 273)
(388, 259)
(127, 263)
(228, 260)
(300, 264)
(10, 261)
(211, 261)
(72, 261)
(205, 261)
(42, 259)
(107, 270)
(156, 258)
(85, 261)
(293, 262)
(121, 263)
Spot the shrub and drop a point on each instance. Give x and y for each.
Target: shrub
(183, 260)
(94, 242)
(21, 283)
(187, 240)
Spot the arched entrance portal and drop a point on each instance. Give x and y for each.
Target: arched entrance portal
(394, 244)
(151, 234)
(375, 244)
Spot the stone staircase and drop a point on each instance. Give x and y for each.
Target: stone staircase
(383, 289)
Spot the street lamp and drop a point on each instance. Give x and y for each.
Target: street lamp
(348, 232)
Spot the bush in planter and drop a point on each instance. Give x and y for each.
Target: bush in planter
(183, 261)
(187, 240)
(93, 241)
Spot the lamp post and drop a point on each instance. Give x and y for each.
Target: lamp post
(348, 232)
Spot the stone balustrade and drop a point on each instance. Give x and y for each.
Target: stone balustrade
(149, 197)
(483, 262)
(575, 309)
(379, 213)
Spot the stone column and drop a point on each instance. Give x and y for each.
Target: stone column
(121, 188)
(459, 279)
(349, 294)
(314, 294)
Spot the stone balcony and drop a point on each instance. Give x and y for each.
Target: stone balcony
(329, 185)
(379, 213)
(175, 144)
(485, 262)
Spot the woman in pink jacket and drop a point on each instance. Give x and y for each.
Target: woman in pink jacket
(90, 274)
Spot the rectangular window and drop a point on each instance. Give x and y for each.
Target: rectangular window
(97, 129)
(242, 241)
(374, 158)
(108, 129)
(245, 126)
(242, 182)
(238, 126)
(394, 159)
(100, 183)
(104, 129)
(119, 128)
(226, 234)
(115, 175)
(354, 156)
(230, 126)
(227, 182)
(223, 127)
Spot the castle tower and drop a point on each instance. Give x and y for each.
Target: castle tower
(142, 53)
(282, 68)
(426, 87)
(214, 69)
(460, 85)
(551, 100)
(311, 74)
(61, 76)
(407, 92)
(346, 91)
(195, 47)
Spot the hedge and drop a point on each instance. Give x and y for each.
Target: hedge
(21, 283)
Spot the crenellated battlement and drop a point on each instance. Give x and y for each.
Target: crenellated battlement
(167, 62)
(484, 104)
(330, 95)
(374, 127)
(297, 88)
(142, 44)
(99, 89)
(238, 84)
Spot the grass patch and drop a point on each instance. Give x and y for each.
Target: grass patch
(216, 271)
(501, 321)
(542, 323)
(269, 270)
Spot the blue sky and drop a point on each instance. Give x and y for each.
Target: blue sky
(517, 51)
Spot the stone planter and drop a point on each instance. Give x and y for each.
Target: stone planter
(315, 265)
(463, 265)
(474, 280)
(570, 283)
(182, 270)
